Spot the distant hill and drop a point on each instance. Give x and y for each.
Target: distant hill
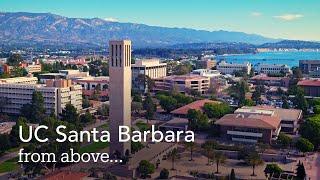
(50, 29)
(296, 44)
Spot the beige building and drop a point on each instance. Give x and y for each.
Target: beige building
(231, 68)
(147, 67)
(33, 68)
(20, 80)
(120, 93)
(57, 94)
(183, 83)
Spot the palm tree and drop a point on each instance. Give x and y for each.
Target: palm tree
(174, 155)
(219, 158)
(208, 148)
(191, 146)
(254, 160)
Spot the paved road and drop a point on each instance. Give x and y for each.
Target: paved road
(8, 156)
(312, 166)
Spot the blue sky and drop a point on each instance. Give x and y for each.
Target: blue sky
(292, 19)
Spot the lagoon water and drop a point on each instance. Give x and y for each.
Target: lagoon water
(289, 58)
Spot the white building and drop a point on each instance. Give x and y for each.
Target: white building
(231, 68)
(56, 93)
(272, 68)
(148, 67)
(207, 73)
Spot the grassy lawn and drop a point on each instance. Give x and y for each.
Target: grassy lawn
(93, 147)
(142, 126)
(103, 127)
(9, 165)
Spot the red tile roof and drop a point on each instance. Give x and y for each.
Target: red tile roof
(251, 121)
(309, 82)
(197, 105)
(66, 175)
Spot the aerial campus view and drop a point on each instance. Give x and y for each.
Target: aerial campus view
(170, 89)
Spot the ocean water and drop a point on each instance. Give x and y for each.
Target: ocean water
(289, 58)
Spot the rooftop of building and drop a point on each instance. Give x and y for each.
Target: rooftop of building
(284, 114)
(18, 79)
(265, 77)
(188, 77)
(148, 63)
(234, 64)
(176, 122)
(66, 175)
(309, 82)
(197, 105)
(99, 79)
(250, 121)
(149, 153)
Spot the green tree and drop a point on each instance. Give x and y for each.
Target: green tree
(232, 175)
(173, 155)
(301, 172)
(300, 101)
(137, 98)
(87, 118)
(216, 110)
(285, 103)
(256, 95)
(310, 130)
(150, 107)
(145, 168)
(5, 143)
(136, 107)
(304, 145)
(14, 134)
(273, 169)
(164, 174)
(167, 103)
(109, 176)
(69, 114)
(34, 112)
(136, 146)
(182, 69)
(51, 146)
(284, 140)
(208, 148)
(254, 159)
(197, 120)
(85, 102)
(218, 158)
(190, 146)
(103, 110)
(248, 102)
(14, 60)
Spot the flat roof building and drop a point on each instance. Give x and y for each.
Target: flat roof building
(272, 68)
(307, 66)
(289, 117)
(183, 83)
(152, 68)
(231, 68)
(249, 128)
(56, 93)
(311, 87)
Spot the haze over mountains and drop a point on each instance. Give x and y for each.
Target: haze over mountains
(47, 28)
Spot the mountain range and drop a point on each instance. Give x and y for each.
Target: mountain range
(51, 29)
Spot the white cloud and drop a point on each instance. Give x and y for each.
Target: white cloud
(111, 19)
(256, 14)
(289, 17)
